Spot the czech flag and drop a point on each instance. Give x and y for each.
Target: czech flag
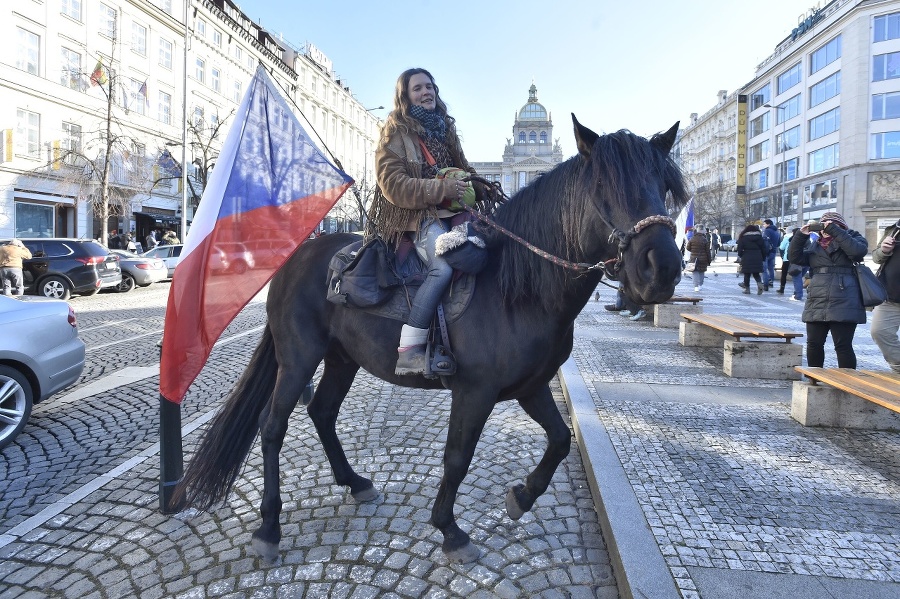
(684, 224)
(270, 188)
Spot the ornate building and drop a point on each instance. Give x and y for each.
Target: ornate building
(528, 152)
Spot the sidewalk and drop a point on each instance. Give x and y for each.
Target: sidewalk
(707, 488)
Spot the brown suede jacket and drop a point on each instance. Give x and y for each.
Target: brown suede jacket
(398, 168)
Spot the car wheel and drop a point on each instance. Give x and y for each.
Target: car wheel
(16, 399)
(55, 287)
(127, 283)
(239, 267)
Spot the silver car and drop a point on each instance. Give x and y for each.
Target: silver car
(139, 271)
(40, 354)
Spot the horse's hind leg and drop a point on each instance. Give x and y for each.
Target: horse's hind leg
(337, 377)
(542, 409)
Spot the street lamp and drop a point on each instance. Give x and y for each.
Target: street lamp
(376, 108)
(783, 160)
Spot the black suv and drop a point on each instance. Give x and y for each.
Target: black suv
(60, 267)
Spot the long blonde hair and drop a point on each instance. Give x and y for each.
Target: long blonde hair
(400, 120)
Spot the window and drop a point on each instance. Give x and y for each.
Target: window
(825, 123)
(759, 98)
(165, 53)
(217, 38)
(759, 179)
(70, 76)
(886, 145)
(251, 62)
(788, 110)
(71, 8)
(201, 28)
(198, 117)
(139, 39)
(137, 97)
(824, 159)
(887, 27)
(200, 71)
(106, 21)
(825, 55)
(788, 170)
(532, 137)
(787, 140)
(215, 76)
(71, 142)
(236, 92)
(28, 133)
(521, 137)
(28, 51)
(887, 66)
(760, 124)
(165, 5)
(165, 108)
(759, 152)
(825, 89)
(789, 78)
(238, 53)
(886, 106)
(543, 137)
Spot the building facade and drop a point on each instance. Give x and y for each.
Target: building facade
(818, 126)
(529, 152)
(104, 90)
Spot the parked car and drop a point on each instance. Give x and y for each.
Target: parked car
(169, 254)
(730, 245)
(40, 354)
(60, 267)
(138, 270)
(237, 258)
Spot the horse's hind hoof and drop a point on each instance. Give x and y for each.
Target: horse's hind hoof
(366, 495)
(463, 555)
(512, 504)
(265, 550)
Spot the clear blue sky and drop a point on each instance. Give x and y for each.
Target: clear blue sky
(634, 65)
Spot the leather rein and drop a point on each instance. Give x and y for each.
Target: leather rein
(609, 267)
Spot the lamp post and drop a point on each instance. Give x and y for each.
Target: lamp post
(781, 150)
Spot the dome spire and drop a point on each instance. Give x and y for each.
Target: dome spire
(532, 92)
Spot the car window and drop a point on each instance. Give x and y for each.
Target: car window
(35, 247)
(176, 250)
(56, 248)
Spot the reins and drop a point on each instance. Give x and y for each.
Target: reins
(609, 267)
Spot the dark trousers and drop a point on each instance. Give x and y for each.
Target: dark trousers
(785, 265)
(842, 336)
(755, 276)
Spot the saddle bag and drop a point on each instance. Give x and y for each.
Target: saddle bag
(360, 275)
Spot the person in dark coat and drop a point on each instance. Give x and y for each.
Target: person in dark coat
(751, 249)
(698, 246)
(886, 317)
(834, 302)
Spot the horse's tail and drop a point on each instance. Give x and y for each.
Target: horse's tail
(224, 446)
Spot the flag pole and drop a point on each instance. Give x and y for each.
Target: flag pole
(171, 452)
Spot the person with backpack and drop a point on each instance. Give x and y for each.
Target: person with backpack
(772, 239)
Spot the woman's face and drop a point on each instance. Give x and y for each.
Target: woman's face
(421, 91)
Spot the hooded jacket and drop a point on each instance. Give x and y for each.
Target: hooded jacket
(751, 247)
(12, 254)
(699, 248)
(833, 294)
(889, 272)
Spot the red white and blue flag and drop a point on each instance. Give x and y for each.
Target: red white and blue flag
(270, 188)
(684, 224)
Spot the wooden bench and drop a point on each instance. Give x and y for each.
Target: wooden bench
(849, 398)
(668, 314)
(757, 358)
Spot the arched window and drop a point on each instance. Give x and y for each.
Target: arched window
(532, 137)
(543, 137)
(521, 137)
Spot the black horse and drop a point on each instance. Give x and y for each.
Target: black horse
(608, 203)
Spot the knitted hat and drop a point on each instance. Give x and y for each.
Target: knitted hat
(836, 218)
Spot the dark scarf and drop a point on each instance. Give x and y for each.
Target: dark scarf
(433, 122)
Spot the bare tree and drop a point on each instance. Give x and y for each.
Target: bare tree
(715, 204)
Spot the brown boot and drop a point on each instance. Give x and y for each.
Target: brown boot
(411, 361)
(747, 289)
(759, 288)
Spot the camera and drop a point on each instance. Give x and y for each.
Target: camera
(816, 227)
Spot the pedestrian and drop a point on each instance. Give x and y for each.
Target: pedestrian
(151, 240)
(834, 303)
(114, 242)
(419, 139)
(700, 257)
(773, 241)
(886, 316)
(751, 249)
(798, 273)
(715, 242)
(11, 255)
(785, 262)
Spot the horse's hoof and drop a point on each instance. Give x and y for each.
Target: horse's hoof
(366, 495)
(265, 550)
(463, 555)
(512, 505)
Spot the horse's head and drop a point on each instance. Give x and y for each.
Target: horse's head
(628, 178)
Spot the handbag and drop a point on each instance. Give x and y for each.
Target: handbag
(794, 270)
(872, 290)
(360, 275)
(691, 266)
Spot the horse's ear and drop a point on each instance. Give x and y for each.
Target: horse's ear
(665, 141)
(584, 137)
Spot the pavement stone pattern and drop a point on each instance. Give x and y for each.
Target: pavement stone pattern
(741, 486)
(114, 542)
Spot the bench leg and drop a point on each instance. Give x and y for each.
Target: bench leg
(669, 315)
(762, 360)
(821, 405)
(692, 334)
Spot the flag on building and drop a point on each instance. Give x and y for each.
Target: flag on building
(270, 188)
(143, 92)
(99, 76)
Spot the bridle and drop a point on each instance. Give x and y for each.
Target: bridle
(609, 267)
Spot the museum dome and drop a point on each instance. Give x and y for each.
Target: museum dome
(533, 110)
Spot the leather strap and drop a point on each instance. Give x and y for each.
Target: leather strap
(429, 159)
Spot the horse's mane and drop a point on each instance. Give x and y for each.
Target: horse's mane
(549, 212)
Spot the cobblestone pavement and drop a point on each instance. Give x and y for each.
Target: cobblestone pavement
(79, 492)
(730, 483)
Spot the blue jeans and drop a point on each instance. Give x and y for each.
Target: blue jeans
(768, 273)
(12, 280)
(798, 283)
(438, 276)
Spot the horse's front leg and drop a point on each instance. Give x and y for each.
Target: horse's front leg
(542, 409)
(273, 423)
(468, 414)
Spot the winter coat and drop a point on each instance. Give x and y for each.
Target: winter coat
(783, 248)
(833, 294)
(698, 246)
(12, 254)
(774, 236)
(751, 248)
(889, 271)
